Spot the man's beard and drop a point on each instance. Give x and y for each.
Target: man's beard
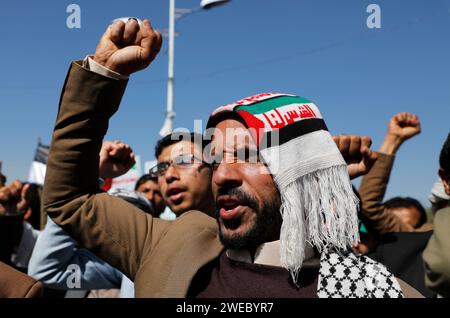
(268, 221)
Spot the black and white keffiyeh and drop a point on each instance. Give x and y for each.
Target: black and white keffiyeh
(345, 275)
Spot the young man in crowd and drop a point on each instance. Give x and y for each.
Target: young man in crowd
(148, 185)
(184, 177)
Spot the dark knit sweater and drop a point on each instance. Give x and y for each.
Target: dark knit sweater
(226, 278)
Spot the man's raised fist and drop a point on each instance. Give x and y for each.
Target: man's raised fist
(126, 48)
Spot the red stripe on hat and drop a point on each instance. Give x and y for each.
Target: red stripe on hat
(253, 122)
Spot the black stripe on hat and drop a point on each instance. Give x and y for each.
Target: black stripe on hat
(292, 131)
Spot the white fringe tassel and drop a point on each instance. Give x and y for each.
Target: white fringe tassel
(319, 208)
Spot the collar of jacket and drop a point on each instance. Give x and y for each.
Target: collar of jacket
(269, 254)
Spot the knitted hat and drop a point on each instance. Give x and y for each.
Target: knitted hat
(318, 202)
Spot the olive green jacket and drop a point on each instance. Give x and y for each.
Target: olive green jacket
(437, 255)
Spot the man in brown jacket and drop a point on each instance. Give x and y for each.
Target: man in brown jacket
(377, 217)
(186, 257)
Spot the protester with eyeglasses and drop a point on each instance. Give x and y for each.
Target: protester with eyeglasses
(183, 176)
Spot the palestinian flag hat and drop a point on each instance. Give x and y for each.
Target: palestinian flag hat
(318, 203)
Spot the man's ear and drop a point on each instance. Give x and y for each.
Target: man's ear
(445, 180)
(27, 214)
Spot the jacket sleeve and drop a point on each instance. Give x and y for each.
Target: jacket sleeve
(59, 264)
(111, 228)
(15, 284)
(437, 255)
(372, 190)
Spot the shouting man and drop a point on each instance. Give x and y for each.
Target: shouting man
(286, 213)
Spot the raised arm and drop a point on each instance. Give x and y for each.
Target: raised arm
(113, 229)
(402, 127)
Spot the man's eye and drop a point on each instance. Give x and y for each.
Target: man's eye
(185, 159)
(215, 161)
(215, 165)
(215, 158)
(161, 166)
(247, 155)
(253, 158)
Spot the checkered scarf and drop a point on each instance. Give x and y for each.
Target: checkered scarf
(345, 275)
(318, 203)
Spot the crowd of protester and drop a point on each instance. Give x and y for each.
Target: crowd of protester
(253, 218)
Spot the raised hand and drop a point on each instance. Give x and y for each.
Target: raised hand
(402, 127)
(116, 159)
(357, 153)
(13, 198)
(126, 48)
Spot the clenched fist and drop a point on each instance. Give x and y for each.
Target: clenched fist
(126, 48)
(116, 159)
(402, 127)
(357, 153)
(13, 198)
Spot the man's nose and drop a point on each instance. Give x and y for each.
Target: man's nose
(150, 195)
(227, 175)
(171, 174)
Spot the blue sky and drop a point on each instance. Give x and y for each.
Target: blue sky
(320, 49)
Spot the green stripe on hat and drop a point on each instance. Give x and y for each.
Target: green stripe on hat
(269, 104)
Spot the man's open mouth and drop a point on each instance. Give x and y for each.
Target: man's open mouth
(230, 210)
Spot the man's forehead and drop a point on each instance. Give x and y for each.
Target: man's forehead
(151, 184)
(176, 149)
(231, 133)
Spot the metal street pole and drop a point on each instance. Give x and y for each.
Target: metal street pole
(170, 115)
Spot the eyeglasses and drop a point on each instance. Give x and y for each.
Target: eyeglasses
(182, 161)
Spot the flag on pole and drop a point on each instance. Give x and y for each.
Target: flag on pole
(2, 177)
(39, 164)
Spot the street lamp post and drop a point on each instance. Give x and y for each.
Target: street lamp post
(170, 114)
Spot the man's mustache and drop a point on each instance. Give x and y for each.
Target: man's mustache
(243, 197)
